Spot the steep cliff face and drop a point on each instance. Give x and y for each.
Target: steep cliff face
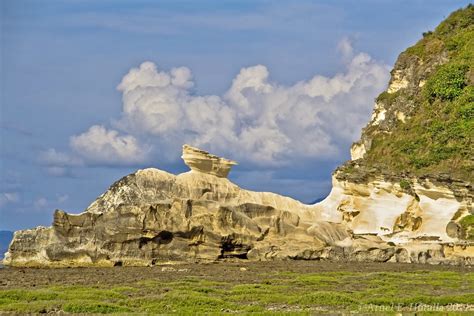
(418, 146)
(424, 122)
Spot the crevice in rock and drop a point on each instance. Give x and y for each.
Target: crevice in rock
(163, 237)
(196, 231)
(232, 249)
(189, 209)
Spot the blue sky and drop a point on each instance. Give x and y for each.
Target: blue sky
(93, 90)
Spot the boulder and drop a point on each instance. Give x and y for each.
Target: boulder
(202, 161)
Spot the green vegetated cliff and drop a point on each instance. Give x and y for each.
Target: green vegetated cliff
(423, 124)
(427, 114)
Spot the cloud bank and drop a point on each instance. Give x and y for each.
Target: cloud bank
(99, 145)
(256, 121)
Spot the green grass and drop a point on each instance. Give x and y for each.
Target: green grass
(447, 83)
(467, 223)
(301, 293)
(405, 184)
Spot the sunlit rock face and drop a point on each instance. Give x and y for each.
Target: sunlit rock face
(151, 216)
(382, 207)
(202, 161)
(422, 218)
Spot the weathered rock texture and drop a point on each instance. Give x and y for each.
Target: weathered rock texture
(425, 211)
(152, 216)
(199, 160)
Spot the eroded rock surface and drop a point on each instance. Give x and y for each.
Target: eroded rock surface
(152, 216)
(400, 210)
(202, 161)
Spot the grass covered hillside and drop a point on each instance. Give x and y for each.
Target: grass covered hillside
(427, 124)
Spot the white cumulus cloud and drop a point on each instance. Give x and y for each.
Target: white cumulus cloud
(99, 145)
(256, 121)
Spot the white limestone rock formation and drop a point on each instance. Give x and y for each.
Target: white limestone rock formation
(384, 208)
(151, 216)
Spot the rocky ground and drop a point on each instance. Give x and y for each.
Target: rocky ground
(240, 286)
(240, 271)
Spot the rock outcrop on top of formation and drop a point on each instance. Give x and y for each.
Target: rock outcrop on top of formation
(202, 161)
(406, 195)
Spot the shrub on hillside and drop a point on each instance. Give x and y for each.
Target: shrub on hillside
(447, 83)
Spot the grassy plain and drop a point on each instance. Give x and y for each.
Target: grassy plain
(301, 287)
